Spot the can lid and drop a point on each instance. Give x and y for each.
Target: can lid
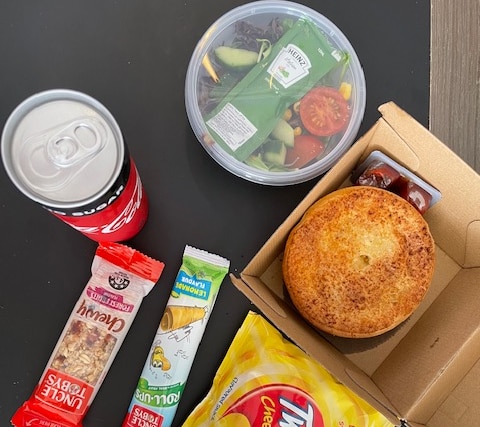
(62, 148)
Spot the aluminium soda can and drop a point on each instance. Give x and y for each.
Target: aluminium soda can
(64, 150)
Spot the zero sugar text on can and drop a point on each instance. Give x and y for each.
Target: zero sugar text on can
(64, 150)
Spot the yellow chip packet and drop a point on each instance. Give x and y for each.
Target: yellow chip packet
(265, 380)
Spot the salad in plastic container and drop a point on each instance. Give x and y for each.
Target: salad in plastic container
(275, 92)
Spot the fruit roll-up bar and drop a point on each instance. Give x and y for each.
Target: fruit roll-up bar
(176, 341)
(121, 278)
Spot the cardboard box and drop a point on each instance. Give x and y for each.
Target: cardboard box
(422, 369)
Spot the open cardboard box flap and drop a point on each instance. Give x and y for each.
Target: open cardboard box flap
(408, 372)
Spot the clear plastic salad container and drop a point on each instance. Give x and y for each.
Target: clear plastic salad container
(275, 92)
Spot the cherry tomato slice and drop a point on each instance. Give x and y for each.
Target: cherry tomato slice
(324, 111)
(304, 150)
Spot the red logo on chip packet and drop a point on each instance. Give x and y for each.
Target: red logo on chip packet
(278, 405)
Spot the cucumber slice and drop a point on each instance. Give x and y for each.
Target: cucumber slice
(236, 58)
(284, 132)
(274, 152)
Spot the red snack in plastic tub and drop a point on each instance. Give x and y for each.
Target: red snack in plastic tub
(413, 193)
(121, 278)
(378, 174)
(379, 170)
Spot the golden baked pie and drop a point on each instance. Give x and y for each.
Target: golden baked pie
(359, 262)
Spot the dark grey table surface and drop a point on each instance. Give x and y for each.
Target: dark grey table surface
(132, 56)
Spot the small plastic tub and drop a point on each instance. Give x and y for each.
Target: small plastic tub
(275, 92)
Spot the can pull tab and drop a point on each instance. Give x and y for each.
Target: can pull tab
(49, 160)
(78, 141)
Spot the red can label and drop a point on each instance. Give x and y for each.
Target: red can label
(118, 215)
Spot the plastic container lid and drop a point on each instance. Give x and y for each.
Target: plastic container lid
(235, 101)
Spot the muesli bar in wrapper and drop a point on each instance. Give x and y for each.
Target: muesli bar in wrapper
(121, 278)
